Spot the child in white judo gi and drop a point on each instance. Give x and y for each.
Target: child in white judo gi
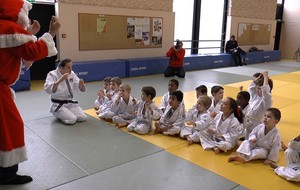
(146, 113)
(263, 142)
(261, 99)
(172, 119)
(172, 87)
(200, 91)
(292, 155)
(196, 120)
(242, 100)
(102, 93)
(124, 107)
(223, 132)
(105, 112)
(217, 93)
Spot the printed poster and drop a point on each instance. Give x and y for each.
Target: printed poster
(101, 24)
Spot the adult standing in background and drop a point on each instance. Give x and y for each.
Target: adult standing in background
(175, 67)
(61, 84)
(233, 48)
(18, 44)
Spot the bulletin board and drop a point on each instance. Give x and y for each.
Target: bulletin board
(106, 32)
(254, 34)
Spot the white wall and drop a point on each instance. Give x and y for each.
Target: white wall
(69, 46)
(232, 29)
(290, 32)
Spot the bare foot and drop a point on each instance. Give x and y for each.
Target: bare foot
(216, 150)
(189, 140)
(120, 125)
(236, 158)
(273, 165)
(283, 146)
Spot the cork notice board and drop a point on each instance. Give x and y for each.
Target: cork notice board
(254, 34)
(104, 32)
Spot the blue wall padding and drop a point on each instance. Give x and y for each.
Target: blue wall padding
(146, 66)
(24, 81)
(98, 70)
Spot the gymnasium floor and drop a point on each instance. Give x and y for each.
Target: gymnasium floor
(95, 155)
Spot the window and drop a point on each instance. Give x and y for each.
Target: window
(184, 22)
(211, 19)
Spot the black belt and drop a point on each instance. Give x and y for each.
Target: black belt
(61, 102)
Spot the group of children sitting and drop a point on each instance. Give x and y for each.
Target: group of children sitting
(216, 123)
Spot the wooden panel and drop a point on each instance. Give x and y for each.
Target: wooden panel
(254, 34)
(104, 32)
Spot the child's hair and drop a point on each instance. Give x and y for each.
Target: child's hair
(270, 82)
(236, 111)
(149, 91)
(178, 94)
(260, 81)
(116, 80)
(202, 89)
(63, 63)
(275, 112)
(126, 87)
(215, 89)
(205, 100)
(245, 94)
(107, 79)
(175, 82)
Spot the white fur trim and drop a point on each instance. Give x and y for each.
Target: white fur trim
(23, 19)
(14, 40)
(10, 158)
(48, 39)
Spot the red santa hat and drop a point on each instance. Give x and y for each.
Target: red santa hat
(16, 11)
(14, 22)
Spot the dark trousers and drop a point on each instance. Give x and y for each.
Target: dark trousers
(237, 56)
(172, 71)
(8, 173)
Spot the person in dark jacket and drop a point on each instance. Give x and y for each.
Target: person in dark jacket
(233, 48)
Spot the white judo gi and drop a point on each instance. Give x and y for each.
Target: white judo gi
(229, 129)
(124, 111)
(143, 121)
(101, 100)
(106, 111)
(258, 107)
(215, 108)
(165, 101)
(62, 106)
(176, 119)
(266, 147)
(201, 120)
(292, 155)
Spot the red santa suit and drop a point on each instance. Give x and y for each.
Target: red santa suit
(16, 45)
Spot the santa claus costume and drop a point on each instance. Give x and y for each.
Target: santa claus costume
(17, 45)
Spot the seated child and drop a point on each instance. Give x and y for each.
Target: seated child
(147, 112)
(196, 120)
(124, 107)
(172, 86)
(105, 112)
(224, 130)
(263, 141)
(217, 93)
(200, 91)
(173, 118)
(261, 99)
(102, 93)
(242, 100)
(292, 155)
